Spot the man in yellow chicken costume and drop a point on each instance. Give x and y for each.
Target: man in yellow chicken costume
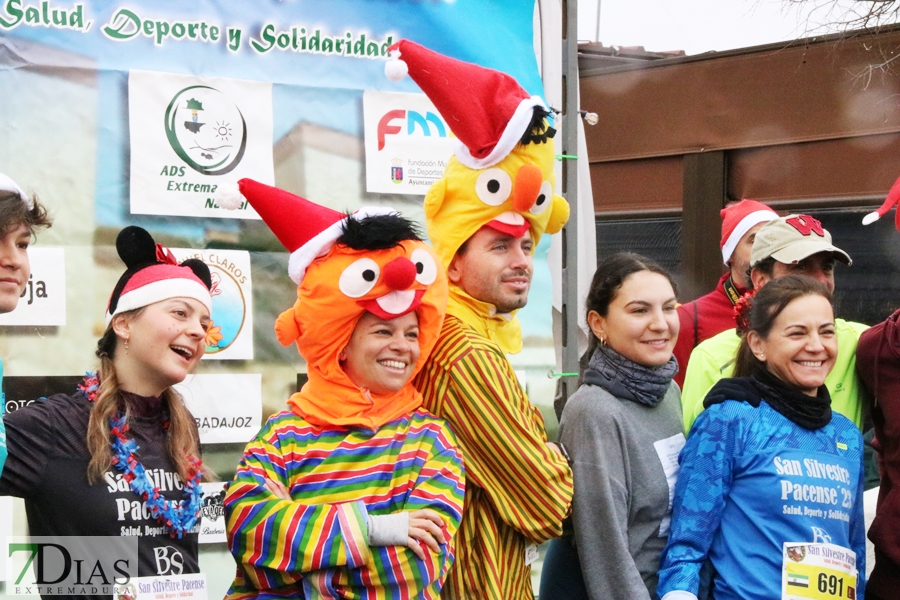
(484, 219)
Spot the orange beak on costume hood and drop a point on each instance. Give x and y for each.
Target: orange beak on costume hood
(513, 196)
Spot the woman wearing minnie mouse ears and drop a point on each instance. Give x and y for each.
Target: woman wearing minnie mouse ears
(120, 455)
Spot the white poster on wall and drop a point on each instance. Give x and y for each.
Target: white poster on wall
(230, 334)
(407, 142)
(163, 587)
(43, 302)
(212, 512)
(191, 134)
(226, 407)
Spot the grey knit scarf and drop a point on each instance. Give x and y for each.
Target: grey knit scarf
(626, 379)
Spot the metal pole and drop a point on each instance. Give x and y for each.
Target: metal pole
(570, 117)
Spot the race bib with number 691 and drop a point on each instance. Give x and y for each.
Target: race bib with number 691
(818, 571)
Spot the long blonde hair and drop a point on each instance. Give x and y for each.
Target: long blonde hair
(183, 441)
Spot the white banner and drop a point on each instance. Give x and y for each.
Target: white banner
(226, 407)
(212, 512)
(407, 142)
(164, 587)
(44, 300)
(230, 334)
(191, 134)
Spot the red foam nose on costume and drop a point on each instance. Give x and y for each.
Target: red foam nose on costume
(400, 273)
(527, 187)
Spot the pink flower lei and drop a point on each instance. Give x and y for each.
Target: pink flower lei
(179, 516)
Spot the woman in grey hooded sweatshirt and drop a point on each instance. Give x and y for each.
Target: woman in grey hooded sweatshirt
(622, 430)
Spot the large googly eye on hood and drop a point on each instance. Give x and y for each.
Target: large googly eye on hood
(493, 186)
(426, 268)
(359, 278)
(544, 199)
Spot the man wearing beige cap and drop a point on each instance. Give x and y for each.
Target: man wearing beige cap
(791, 245)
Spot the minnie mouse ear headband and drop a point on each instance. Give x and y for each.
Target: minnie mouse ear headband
(10, 186)
(154, 275)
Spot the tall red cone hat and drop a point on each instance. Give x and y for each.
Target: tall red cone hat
(487, 110)
(893, 198)
(306, 229)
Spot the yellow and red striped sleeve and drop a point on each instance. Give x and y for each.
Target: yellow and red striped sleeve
(470, 383)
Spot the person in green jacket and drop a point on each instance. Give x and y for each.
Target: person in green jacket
(21, 216)
(791, 245)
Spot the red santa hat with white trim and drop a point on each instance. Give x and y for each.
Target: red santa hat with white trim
(9, 186)
(488, 111)
(738, 219)
(893, 198)
(154, 275)
(306, 229)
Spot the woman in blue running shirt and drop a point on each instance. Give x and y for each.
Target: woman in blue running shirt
(771, 482)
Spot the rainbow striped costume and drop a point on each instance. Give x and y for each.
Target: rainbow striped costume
(316, 546)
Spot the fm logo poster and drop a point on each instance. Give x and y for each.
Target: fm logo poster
(230, 333)
(407, 142)
(43, 302)
(191, 134)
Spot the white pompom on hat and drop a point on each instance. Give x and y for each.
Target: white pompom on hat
(8, 185)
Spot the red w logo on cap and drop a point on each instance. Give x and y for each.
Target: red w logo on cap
(806, 224)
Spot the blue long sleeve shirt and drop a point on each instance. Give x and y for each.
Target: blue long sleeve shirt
(752, 480)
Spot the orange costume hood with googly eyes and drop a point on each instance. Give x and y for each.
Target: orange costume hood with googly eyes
(324, 316)
(501, 175)
(336, 285)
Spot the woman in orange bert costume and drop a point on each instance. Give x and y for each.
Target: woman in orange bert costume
(355, 491)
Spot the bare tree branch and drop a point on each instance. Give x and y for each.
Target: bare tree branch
(852, 18)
